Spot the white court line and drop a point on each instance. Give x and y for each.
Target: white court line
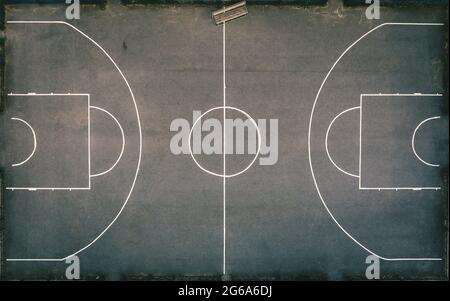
(216, 173)
(400, 188)
(34, 142)
(30, 94)
(47, 188)
(33, 259)
(48, 94)
(401, 94)
(326, 141)
(224, 175)
(360, 140)
(413, 145)
(89, 139)
(361, 97)
(224, 178)
(309, 140)
(140, 137)
(123, 141)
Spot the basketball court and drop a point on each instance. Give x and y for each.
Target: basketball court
(349, 157)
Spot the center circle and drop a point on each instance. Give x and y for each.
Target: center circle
(214, 173)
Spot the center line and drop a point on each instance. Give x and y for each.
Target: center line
(224, 155)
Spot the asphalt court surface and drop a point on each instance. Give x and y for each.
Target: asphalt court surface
(156, 214)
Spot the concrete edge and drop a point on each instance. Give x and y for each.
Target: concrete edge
(2, 15)
(133, 2)
(2, 230)
(2, 72)
(398, 3)
(249, 2)
(40, 2)
(445, 176)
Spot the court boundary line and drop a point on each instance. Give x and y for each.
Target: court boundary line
(53, 188)
(139, 132)
(361, 97)
(309, 142)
